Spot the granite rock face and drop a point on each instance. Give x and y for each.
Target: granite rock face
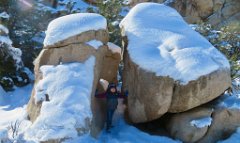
(179, 125)
(147, 100)
(200, 91)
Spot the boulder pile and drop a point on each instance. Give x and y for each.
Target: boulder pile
(169, 68)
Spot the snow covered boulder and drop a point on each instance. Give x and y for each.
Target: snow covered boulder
(201, 90)
(66, 43)
(76, 28)
(190, 126)
(204, 124)
(225, 123)
(208, 123)
(66, 102)
(168, 67)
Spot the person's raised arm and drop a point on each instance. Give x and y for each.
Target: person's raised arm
(101, 95)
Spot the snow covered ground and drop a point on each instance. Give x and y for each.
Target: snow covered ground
(67, 108)
(14, 108)
(122, 133)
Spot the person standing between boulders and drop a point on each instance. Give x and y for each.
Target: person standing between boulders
(112, 96)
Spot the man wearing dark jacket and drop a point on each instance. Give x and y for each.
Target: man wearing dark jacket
(112, 96)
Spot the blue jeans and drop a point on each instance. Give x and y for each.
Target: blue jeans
(110, 113)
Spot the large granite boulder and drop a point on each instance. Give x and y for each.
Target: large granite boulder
(215, 12)
(110, 65)
(147, 100)
(200, 91)
(194, 10)
(225, 123)
(168, 67)
(187, 126)
(208, 123)
(74, 38)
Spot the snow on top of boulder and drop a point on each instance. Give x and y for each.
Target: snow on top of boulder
(160, 41)
(202, 122)
(4, 29)
(95, 43)
(68, 107)
(5, 39)
(71, 25)
(4, 15)
(114, 48)
(104, 83)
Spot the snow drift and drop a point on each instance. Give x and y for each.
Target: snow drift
(68, 105)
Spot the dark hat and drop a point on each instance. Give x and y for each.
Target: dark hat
(112, 85)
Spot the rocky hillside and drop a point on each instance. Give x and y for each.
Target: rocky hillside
(216, 12)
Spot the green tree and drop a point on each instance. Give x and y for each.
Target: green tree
(227, 42)
(12, 71)
(111, 9)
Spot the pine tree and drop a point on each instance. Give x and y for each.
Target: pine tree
(12, 71)
(225, 41)
(111, 9)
